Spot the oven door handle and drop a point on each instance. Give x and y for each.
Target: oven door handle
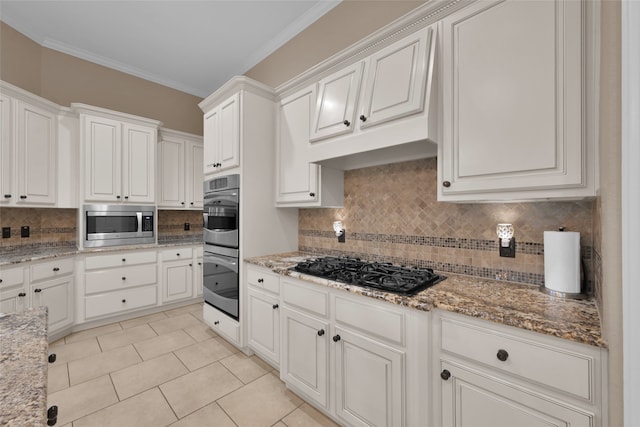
(138, 222)
(231, 265)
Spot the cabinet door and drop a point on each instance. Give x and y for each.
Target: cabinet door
(369, 381)
(473, 398)
(396, 80)
(211, 140)
(305, 355)
(6, 150)
(103, 159)
(172, 174)
(36, 148)
(264, 326)
(336, 104)
(138, 163)
(195, 177)
(512, 98)
(297, 178)
(198, 277)
(57, 296)
(229, 142)
(13, 300)
(177, 280)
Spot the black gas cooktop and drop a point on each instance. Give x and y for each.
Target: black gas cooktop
(376, 275)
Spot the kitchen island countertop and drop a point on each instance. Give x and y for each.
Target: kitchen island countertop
(513, 304)
(23, 368)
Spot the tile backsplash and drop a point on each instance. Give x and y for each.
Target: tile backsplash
(391, 213)
(171, 226)
(48, 227)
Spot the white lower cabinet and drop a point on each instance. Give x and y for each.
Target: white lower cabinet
(491, 375)
(222, 324)
(305, 355)
(369, 381)
(13, 296)
(52, 285)
(476, 398)
(264, 325)
(119, 283)
(177, 274)
(348, 355)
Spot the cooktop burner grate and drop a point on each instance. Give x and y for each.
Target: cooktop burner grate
(381, 276)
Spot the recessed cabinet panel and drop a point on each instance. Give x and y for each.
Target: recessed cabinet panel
(230, 132)
(57, 296)
(264, 325)
(513, 94)
(195, 175)
(103, 165)
(305, 355)
(36, 148)
(172, 176)
(472, 398)
(139, 164)
(297, 177)
(6, 150)
(369, 382)
(335, 106)
(396, 81)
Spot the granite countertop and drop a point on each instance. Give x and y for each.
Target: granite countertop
(23, 368)
(44, 253)
(512, 304)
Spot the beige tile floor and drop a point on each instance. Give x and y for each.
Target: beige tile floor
(168, 368)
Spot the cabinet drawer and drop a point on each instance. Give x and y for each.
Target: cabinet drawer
(10, 277)
(120, 301)
(312, 300)
(562, 369)
(222, 323)
(119, 260)
(120, 278)
(371, 319)
(51, 269)
(177, 254)
(263, 279)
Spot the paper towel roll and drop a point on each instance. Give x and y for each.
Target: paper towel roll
(562, 261)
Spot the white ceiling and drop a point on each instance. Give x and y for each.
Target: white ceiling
(192, 46)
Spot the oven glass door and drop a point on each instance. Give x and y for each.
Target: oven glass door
(221, 218)
(221, 285)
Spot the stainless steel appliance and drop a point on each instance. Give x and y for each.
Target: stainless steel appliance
(221, 250)
(221, 206)
(116, 225)
(375, 275)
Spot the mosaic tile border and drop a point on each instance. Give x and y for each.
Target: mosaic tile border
(529, 248)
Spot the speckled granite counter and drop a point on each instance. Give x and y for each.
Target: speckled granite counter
(511, 304)
(44, 253)
(23, 368)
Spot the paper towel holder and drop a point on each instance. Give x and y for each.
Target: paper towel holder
(507, 242)
(570, 295)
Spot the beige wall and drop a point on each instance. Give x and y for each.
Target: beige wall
(610, 201)
(341, 27)
(64, 79)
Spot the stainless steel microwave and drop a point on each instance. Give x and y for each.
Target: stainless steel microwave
(116, 225)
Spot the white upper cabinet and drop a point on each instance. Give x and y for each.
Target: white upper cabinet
(336, 103)
(119, 156)
(396, 80)
(180, 175)
(515, 86)
(222, 135)
(29, 151)
(299, 182)
(391, 87)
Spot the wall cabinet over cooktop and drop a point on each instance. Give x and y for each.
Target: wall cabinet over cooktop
(518, 102)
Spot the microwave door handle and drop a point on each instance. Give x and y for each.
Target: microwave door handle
(139, 222)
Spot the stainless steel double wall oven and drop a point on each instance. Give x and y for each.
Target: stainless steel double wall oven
(221, 249)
